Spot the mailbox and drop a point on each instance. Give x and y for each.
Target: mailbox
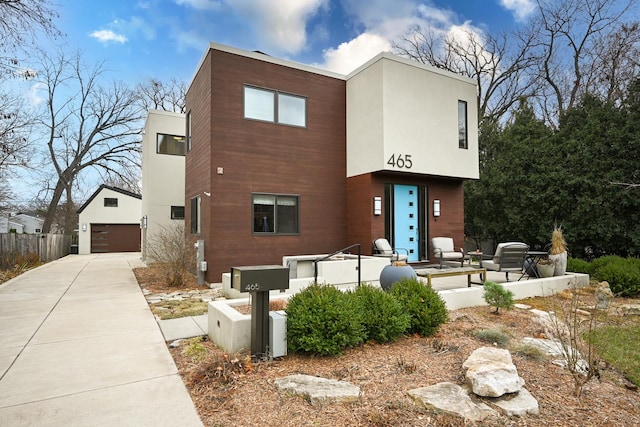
(259, 278)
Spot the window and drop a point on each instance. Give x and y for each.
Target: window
(273, 106)
(462, 125)
(110, 202)
(177, 212)
(275, 214)
(170, 144)
(188, 131)
(195, 215)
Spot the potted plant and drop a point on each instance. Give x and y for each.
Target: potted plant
(546, 267)
(558, 252)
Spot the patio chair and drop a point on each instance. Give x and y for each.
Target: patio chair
(509, 257)
(444, 250)
(381, 247)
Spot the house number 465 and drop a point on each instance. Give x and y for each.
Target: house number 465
(402, 161)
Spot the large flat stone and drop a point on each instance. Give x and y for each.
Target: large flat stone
(518, 404)
(318, 390)
(452, 399)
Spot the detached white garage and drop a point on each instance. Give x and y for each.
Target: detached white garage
(110, 222)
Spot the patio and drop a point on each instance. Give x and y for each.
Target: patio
(456, 294)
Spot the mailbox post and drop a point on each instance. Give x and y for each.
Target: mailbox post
(259, 280)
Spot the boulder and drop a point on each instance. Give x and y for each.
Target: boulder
(518, 404)
(318, 390)
(452, 399)
(491, 373)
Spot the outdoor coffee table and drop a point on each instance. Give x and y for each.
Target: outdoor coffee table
(429, 273)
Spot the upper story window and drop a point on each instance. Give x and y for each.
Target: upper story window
(188, 131)
(110, 202)
(170, 144)
(463, 141)
(272, 106)
(275, 214)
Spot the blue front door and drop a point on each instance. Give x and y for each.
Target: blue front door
(405, 220)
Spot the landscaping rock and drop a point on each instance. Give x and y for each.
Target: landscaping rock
(491, 373)
(603, 295)
(452, 399)
(318, 390)
(518, 404)
(630, 309)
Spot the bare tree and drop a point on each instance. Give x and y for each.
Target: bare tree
(88, 126)
(20, 21)
(156, 95)
(570, 34)
(15, 126)
(498, 64)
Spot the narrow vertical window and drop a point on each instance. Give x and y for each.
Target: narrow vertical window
(188, 131)
(462, 125)
(195, 215)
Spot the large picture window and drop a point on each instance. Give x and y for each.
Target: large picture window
(170, 144)
(273, 106)
(462, 125)
(275, 214)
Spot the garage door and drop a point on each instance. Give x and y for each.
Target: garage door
(115, 238)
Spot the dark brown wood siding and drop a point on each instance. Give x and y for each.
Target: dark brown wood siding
(365, 227)
(248, 156)
(115, 238)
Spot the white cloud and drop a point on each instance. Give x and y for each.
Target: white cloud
(107, 36)
(191, 40)
(200, 4)
(280, 25)
(33, 95)
(520, 8)
(350, 55)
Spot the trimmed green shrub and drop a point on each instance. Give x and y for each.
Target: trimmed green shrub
(383, 315)
(425, 307)
(324, 321)
(577, 265)
(497, 296)
(623, 276)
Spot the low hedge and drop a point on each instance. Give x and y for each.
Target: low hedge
(323, 320)
(622, 274)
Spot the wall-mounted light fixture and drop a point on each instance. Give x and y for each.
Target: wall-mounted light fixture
(377, 206)
(143, 222)
(84, 227)
(436, 208)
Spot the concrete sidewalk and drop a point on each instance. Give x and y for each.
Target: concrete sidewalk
(80, 347)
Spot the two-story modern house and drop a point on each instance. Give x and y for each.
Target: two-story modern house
(287, 159)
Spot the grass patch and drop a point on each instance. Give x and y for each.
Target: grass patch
(618, 345)
(171, 309)
(498, 336)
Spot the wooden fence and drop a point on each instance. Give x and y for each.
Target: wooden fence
(49, 247)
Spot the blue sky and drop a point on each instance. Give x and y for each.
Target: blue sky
(140, 39)
(164, 39)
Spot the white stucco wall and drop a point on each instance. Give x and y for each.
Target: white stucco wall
(128, 211)
(162, 174)
(397, 107)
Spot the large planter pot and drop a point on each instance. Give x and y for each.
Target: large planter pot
(546, 270)
(393, 273)
(560, 263)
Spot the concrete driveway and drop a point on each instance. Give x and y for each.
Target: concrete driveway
(80, 347)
